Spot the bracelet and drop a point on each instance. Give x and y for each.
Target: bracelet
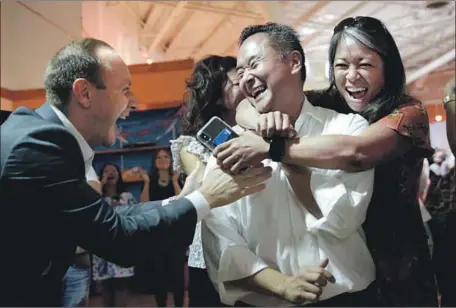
(448, 99)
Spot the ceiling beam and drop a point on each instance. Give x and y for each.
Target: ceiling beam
(201, 44)
(170, 22)
(149, 12)
(348, 13)
(436, 44)
(134, 13)
(270, 10)
(307, 15)
(431, 66)
(215, 10)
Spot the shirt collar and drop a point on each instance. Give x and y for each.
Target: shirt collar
(307, 109)
(87, 152)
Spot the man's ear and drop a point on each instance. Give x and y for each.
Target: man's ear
(296, 62)
(82, 92)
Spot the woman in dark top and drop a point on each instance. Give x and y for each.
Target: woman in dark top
(163, 182)
(167, 272)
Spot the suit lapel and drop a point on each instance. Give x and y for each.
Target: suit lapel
(46, 112)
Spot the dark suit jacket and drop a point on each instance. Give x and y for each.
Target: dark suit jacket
(47, 209)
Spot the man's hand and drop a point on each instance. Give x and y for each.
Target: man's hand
(275, 124)
(308, 284)
(221, 188)
(247, 150)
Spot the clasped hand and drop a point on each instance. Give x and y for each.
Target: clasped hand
(251, 148)
(308, 284)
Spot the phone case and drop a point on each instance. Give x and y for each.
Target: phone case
(215, 132)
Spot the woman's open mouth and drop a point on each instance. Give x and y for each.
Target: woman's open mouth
(356, 93)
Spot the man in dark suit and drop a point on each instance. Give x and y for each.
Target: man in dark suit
(48, 209)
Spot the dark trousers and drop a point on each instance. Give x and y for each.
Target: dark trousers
(170, 276)
(201, 291)
(444, 258)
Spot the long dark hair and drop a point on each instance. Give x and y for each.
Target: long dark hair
(203, 97)
(372, 34)
(120, 185)
(154, 173)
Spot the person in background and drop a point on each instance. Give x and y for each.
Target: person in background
(113, 278)
(166, 272)
(367, 76)
(441, 203)
(212, 90)
(449, 103)
(163, 182)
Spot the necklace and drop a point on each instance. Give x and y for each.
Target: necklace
(163, 183)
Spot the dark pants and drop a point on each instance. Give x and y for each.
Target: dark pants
(170, 273)
(444, 258)
(201, 291)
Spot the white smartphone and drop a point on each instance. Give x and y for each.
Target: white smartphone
(215, 132)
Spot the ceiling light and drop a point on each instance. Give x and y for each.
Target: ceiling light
(438, 118)
(149, 61)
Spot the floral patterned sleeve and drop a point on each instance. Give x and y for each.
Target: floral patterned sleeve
(411, 120)
(192, 146)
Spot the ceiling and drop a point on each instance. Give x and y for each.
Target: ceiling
(155, 31)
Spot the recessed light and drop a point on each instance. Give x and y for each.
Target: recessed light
(438, 118)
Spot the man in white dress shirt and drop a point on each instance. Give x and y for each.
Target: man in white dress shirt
(263, 250)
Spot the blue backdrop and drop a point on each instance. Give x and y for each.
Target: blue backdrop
(151, 126)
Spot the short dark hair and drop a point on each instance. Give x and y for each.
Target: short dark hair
(283, 39)
(203, 96)
(373, 34)
(75, 60)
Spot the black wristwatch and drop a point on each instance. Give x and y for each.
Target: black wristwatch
(276, 149)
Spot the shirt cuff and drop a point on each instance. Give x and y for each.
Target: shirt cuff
(167, 201)
(200, 203)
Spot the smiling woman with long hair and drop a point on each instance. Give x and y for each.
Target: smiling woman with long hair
(212, 90)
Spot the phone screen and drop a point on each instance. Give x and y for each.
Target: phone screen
(225, 135)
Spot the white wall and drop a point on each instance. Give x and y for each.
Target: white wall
(28, 42)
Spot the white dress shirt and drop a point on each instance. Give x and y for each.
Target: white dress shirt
(196, 198)
(273, 229)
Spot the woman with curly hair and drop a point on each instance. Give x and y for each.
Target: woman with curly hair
(212, 90)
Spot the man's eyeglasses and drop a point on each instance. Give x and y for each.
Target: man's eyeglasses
(363, 22)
